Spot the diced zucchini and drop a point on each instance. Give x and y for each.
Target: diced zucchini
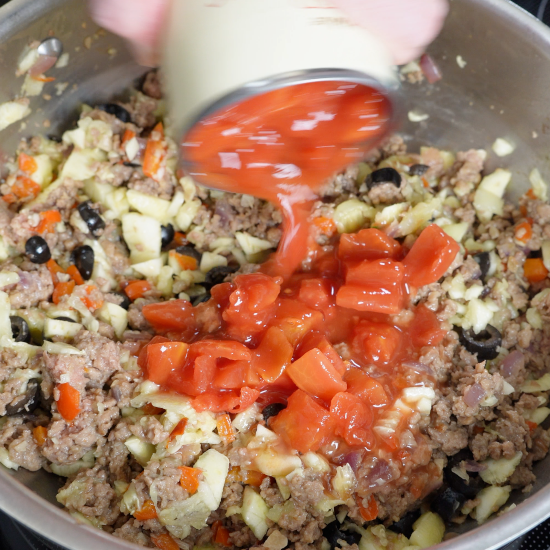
(120, 487)
(283, 487)
(497, 182)
(80, 165)
(175, 204)
(130, 501)
(246, 419)
(315, 462)
(418, 216)
(478, 314)
(254, 512)
(65, 329)
(251, 245)
(165, 281)
(363, 170)
(351, 215)
(344, 481)
(487, 204)
(4, 250)
(428, 530)
(5, 308)
(490, 500)
(142, 235)
(498, 471)
(534, 386)
(59, 348)
(210, 260)
(8, 278)
(540, 187)
(456, 230)
(538, 416)
(502, 147)
(534, 318)
(141, 450)
(116, 316)
(44, 170)
(132, 148)
(150, 268)
(98, 191)
(69, 470)
(186, 214)
(276, 464)
(149, 205)
(275, 541)
(12, 111)
(6, 460)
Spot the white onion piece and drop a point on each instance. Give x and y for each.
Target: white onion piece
(430, 69)
(42, 64)
(474, 394)
(512, 363)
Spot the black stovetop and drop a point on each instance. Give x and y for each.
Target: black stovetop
(13, 536)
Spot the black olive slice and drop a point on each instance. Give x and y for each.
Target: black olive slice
(200, 299)
(167, 234)
(469, 489)
(484, 261)
(66, 319)
(125, 301)
(189, 251)
(91, 216)
(37, 250)
(20, 329)
(383, 175)
(131, 164)
(83, 258)
(485, 344)
(113, 109)
(217, 275)
(54, 138)
(333, 533)
(405, 525)
(418, 169)
(26, 402)
(272, 410)
(447, 503)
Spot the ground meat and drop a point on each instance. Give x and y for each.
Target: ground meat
(17, 436)
(132, 532)
(136, 320)
(386, 193)
(149, 429)
(102, 357)
(32, 288)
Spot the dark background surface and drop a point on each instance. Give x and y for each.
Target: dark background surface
(12, 537)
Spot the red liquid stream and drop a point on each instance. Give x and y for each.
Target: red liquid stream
(282, 146)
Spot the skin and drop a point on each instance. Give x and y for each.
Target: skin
(407, 26)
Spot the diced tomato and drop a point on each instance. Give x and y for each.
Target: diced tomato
(164, 358)
(352, 419)
(180, 239)
(142, 358)
(75, 275)
(376, 342)
(368, 244)
(137, 289)
(68, 403)
(164, 541)
(426, 329)
(40, 433)
(316, 293)
(296, 320)
(232, 376)
(369, 390)
(228, 349)
(315, 374)
(375, 273)
(171, 316)
(48, 220)
(251, 477)
(24, 187)
(370, 511)
(147, 511)
(430, 256)
(535, 270)
(273, 354)
(216, 401)
(54, 268)
(62, 289)
(204, 371)
(27, 163)
(225, 429)
(375, 299)
(247, 398)
(304, 425)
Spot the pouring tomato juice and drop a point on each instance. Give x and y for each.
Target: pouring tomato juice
(328, 342)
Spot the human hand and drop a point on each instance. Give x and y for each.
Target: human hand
(406, 26)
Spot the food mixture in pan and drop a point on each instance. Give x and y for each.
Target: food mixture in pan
(391, 387)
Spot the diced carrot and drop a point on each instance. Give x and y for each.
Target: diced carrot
(24, 188)
(91, 303)
(478, 430)
(147, 511)
(179, 238)
(9, 198)
(54, 268)
(68, 403)
(165, 542)
(178, 430)
(62, 289)
(189, 479)
(154, 155)
(326, 226)
(523, 232)
(48, 220)
(531, 194)
(370, 511)
(222, 536)
(42, 78)
(186, 263)
(252, 477)
(534, 270)
(225, 429)
(40, 433)
(151, 409)
(27, 163)
(75, 275)
(137, 289)
(127, 136)
(532, 425)
(234, 475)
(523, 210)
(425, 182)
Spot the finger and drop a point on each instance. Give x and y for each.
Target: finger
(406, 26)
(139, 21)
